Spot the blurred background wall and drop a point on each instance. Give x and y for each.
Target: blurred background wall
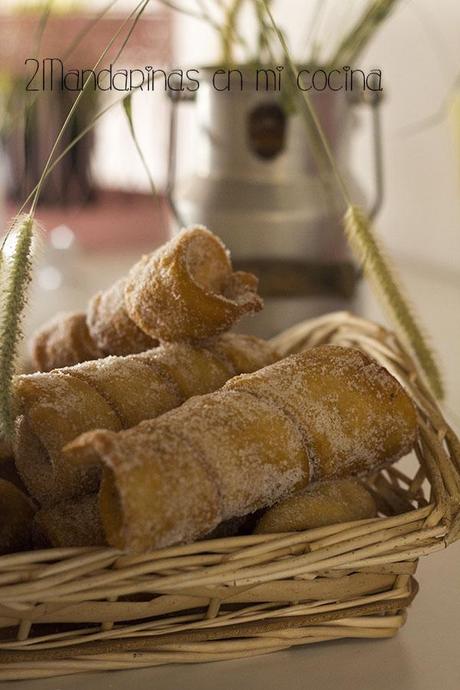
(418, 51)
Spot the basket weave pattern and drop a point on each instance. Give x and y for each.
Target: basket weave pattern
(66, 611)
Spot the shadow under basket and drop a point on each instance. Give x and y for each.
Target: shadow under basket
(65, 611)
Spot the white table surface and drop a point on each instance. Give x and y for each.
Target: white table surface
(425, 655)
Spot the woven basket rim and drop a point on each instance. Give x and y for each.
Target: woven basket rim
(37, 587)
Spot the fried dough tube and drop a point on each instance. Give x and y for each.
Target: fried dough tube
(70, 338)
(63, 341)
(321, 504)
(335, 425)
(72, 523)
(114, 393)
(322, 414)
(16, 513)
(110, 327)
(186, 290)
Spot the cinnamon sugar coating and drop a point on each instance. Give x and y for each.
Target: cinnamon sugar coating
(321, 504)
(110, 327)
(187, 289)
(321, 414)
(63, 341)
(353, 413)
(114, 393)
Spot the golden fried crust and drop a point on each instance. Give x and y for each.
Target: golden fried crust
(321, 504)
(194, 370)
(134, 388)
(187, 291)
(176, 478)
(55, 408)
(354, 415)
(114, 393)
(253, 450)
(62, 342)
(110, 327)
(181, 496)
(323, 413)
(245, 352)
(16, 513)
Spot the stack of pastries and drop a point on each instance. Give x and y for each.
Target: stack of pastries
(149, 423)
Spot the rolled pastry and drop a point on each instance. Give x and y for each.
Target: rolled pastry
(353, 413)
(321, 504)
(73, 523)
(62, 342)
(114, 393)
(16, 513)
(187, 290)
(70, 338)
(110, 327)
(321, 414)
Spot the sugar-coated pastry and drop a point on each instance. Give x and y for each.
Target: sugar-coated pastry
(320, 504)
(62, 341)
(68, 524)
(55, 408)
(353, 413)
(16, 513)
(110, 327)
(198, 465)
(186, 495)
(320, 414)
(187, 290)
(114, 393)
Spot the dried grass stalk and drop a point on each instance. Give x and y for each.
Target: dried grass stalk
(16, 275)
(360, 34)
(361, 237)
(383, 277)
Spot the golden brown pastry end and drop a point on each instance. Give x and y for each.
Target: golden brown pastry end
(187, 290)
(321, 504)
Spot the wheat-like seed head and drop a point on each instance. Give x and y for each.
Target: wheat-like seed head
(381, 274)
(16, 269)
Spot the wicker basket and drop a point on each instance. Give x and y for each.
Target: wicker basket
(66, 611)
